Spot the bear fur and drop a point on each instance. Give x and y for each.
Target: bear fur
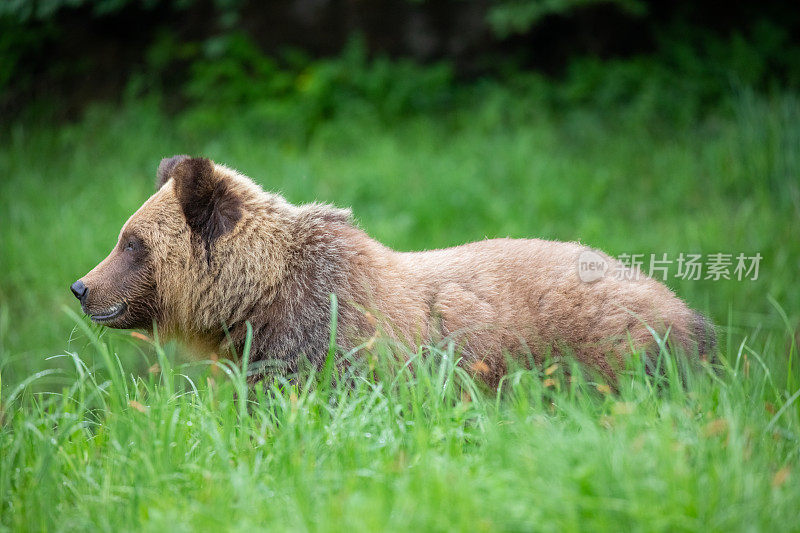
(211, 251)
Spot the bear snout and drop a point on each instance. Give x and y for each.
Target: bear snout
(79, 290)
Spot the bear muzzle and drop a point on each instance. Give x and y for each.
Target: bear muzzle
(101, 316)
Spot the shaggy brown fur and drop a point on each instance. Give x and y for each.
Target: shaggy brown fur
(211, 251)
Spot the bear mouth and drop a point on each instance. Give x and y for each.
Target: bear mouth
(110, 313)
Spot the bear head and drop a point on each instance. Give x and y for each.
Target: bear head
(176, 263)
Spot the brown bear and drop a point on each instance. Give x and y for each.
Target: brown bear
(211, 251)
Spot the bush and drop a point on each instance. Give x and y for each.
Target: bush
(230, 74)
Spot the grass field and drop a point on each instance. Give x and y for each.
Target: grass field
(89, 438)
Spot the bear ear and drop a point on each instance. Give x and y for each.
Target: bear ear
(165, 169)
(206, 198)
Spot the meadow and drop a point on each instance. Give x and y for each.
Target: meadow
(102, 429)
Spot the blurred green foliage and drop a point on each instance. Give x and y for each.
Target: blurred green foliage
(679, 61)
(296, 93)
(231, 73)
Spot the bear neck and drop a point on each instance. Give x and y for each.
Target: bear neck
(321, 253)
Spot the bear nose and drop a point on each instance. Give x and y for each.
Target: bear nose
(79, 290)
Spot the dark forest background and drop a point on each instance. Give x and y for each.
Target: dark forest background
(62, 54)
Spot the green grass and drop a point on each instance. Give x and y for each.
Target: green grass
(411, 447)
(90, 439)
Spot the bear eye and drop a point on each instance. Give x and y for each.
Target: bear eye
(130, 246)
